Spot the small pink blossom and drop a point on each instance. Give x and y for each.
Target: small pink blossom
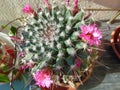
(42, 78)
(46, 1)
(17, 39)
(47, 4)
(75, 8)
(27, 65)
(27, 9)
(91, 34)
(23, 67)
(75, 3)
(22, 54)
(78, 62)
(67, 2)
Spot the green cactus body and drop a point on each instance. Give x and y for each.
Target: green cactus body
(52, 40)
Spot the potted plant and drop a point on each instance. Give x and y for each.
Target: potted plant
(9, 71)
(7, 59)
(115, 40)
(10, 64)
(57, 44)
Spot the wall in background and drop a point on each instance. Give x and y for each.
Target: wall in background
(11, 9)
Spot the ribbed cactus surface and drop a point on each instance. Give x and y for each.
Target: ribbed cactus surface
(51, 39)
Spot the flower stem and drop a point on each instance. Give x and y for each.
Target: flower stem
(12, 22)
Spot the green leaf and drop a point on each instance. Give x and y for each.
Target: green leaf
(4, 67)
(3, 26)
(68, 14)
(64, 78)
(78, 16)
(39, 66)
(4, 78)
(58, 62)
(78, 25)
(26, 78)
(80, 45)
(71, 51)
(13, 30)
(82, 54)
(69, 60)
(63, 10)
(28, 56)
(74, 36)
(54, 14)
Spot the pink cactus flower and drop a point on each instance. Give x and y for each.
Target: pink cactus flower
(43, 78)
(22, 54)
(47, 4)
(91, 34)
(17, 39)
(27, 9)
(23, 67)
(46, 1)
(78, 62)
(67, 2)
(27, 65)
(75, 3)
(75, 8)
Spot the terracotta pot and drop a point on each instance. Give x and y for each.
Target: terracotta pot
(85, 77)
(115, 41)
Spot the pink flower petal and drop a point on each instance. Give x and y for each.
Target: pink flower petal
(28, 10)
(46, 1)
(78, 62)
(17, 39)
(67, 2)
(75, 3)
(21, 54)
(43, 78)
(75, 7)
(27, 65)
(91, 34)
(47, 4)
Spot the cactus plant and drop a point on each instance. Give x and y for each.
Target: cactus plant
(52, 37)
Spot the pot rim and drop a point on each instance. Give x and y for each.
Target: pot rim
(68, 87)
(115, 39)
